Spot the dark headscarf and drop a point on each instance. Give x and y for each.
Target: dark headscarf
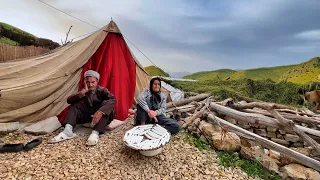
(155, 98)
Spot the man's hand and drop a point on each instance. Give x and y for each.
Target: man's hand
(96, 118)
(84, 90)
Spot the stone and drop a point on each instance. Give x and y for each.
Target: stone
(266, 152)
(291, 138)
(280, 141)
(261, 132)
(287, 160)
(267, 162)
(262, 126)
(271, 129)
(271, 164)
(254, 125)
(274, 154)
(230, 120)
(279, 136)
(45, 126)
(282, 132)
(247, 143)
(9, 127)
(271, 134)
(244, 126)
(304, 151)
(227, 143)
(297, 144)
(298, 171)
(209, 129)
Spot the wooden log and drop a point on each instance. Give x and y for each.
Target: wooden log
(181, 107)
(307, 120)
(301, 158)
(317, 116)
(187, 109)
(248, 117)
(186, 101)
(263, 105)
(255, 118)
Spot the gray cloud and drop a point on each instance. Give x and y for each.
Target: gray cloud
(189, 35)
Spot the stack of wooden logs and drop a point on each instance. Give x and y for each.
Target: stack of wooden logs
(275, 127)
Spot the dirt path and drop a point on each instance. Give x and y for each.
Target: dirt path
(110, 160)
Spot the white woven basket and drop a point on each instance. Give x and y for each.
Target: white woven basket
(148, 139)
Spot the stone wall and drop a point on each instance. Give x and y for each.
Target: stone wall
(288, 139)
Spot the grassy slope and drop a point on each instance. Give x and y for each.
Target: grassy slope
(5, 40)
(301, 73)
(9, 27)
(305, 72)
(155, 71)
(265, 90)
(273, 73)
(211, 75)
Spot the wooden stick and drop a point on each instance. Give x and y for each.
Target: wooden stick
(301, 158)
(197, 114)
(186, 101)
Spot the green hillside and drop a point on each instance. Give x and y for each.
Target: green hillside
(12, 28)
(300, 73)
(220, 74)
(155, 71)
(5, 40)
(305, 72)
(16, 37)
(273, 73)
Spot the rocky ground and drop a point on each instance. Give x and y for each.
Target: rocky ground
(110, 159)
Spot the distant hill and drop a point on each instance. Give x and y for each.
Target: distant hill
(155, 71)
(15, 29)
(16, 37)
(299, 73)
(220, 74)
(178, 74)
(305, 72)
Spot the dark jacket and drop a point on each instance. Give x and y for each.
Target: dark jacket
(99, 100)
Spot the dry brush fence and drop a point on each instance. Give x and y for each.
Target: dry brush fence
(8, 52)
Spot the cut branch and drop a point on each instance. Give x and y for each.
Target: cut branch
(186, 101)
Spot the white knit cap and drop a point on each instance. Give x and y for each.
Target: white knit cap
(91, 73)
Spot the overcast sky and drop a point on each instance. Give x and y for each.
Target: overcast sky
(186, 35)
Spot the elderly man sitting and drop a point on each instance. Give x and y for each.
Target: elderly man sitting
(93, 104)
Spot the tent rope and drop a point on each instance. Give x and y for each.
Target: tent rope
(95, 31)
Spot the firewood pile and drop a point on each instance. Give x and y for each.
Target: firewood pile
(285, 138)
